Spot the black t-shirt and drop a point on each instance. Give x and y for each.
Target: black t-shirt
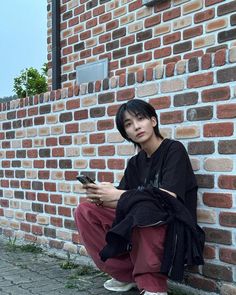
(169, 168)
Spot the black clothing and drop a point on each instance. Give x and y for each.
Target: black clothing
(148, 207)
(169, 168)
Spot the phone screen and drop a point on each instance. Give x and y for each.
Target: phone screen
(84, 179)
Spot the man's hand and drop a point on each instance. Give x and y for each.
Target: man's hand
(103, 193)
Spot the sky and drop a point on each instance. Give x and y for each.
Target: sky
(23, 39)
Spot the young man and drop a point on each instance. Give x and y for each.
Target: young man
(132, 218)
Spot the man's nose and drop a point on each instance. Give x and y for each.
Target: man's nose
(136, 125)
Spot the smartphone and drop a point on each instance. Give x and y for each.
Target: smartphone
(84, 179)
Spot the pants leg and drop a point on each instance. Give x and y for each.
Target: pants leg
(93, 222)
(146, 255)
(142, 264)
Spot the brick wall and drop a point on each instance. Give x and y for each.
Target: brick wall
(133, 36)
(47, 139)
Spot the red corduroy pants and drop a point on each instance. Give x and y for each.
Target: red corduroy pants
(141, 264)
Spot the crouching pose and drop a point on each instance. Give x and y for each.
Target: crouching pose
(144, 230)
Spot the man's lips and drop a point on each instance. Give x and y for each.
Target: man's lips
(140, 134)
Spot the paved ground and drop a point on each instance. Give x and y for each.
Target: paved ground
(25, 273)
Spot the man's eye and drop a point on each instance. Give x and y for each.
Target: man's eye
(140, 117)
(127, 125)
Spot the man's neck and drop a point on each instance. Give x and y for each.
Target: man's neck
(152, 145)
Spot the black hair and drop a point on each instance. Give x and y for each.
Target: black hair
(134, 107)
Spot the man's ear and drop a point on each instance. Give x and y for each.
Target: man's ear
(154, 121)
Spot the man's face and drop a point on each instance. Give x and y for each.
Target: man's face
(139, 128)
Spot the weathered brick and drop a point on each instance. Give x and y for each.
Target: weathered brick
(226, 75)
(105, 124)
(226, 8)
(125, 94)
(216, 94)
(192, 6)
(218, 164)
(206, 284)
(219, 236)
(171, 117)
(200, 113)
(226, 111)
(227, 182)
(200, 80)
(201, 148)
(227, 146)
(218, 200)
(187, 132)
(217, 271)
(205, 180)
(218, 129)
(172, 85)
(206, 216)
(204, 15)
(185, 99)
(228, 289)
(227, 219)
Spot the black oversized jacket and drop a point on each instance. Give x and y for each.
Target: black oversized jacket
(147, 207)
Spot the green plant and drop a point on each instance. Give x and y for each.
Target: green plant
(11, 244)
(68, 264)
(33, 248)
(30, 82)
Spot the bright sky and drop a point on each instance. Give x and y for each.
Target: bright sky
(23, 39)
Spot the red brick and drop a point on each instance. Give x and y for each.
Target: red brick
(72, 128)
(97, 164)
(144, 57)
(206, 62)
(106, 150)
(203, 283)
(171, 117)
(56, 199)
(127, 40)
(218, 129)
(105, 124)
(116, 164)
(154, 43)
(125, 94)
(152, 21)
(37, 230)
(122, 80)
(227, 182)
(135, 5)
(106, 177)
(162, 5)
(218, 200)
(216, 94)
(58, 152)
(112, 110)
(50, 209)
(220, 57)
(216, 271)
(160, 102)
(204, 15)
(56, 221)
(97, 138)
(192, 32)
(64, 211)
(200, 80)
(50, 186)
(170, 14)
(171, 38)
(228, 255)
(73, 104)
(209, 252)
(140, 76)
(162, 52)
(227, 219)
(226, 111)
(170, 68)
